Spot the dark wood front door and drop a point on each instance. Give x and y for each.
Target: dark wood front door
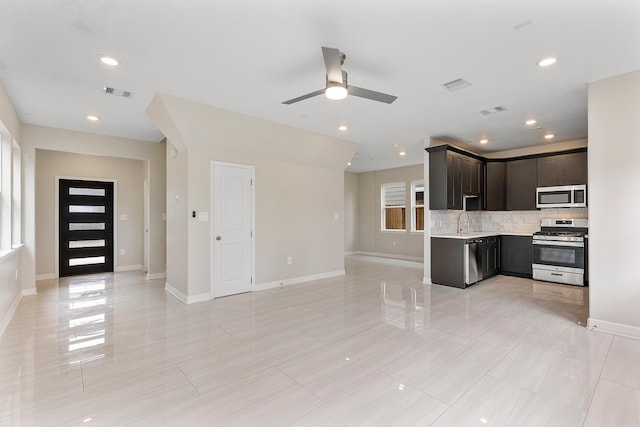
(86, 227)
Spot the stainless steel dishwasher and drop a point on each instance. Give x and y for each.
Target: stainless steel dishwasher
(472, 261)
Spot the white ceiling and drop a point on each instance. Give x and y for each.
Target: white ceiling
(249, 56)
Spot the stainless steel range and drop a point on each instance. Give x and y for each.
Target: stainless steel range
(559, 252)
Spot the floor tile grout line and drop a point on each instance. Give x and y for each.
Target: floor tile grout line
(595, 390)
(320, 399)
(195, 389)
(483, 376)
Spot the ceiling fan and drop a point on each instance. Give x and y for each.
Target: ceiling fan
(336, 86)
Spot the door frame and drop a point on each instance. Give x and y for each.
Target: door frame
(146, 224)
(56, 216)
(212, 230)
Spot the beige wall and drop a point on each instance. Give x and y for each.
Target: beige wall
(177, 217)
(371, 239)
(299, 193)
(8, 116)
(40, 137)
(128, 191)
(614, 174)
(350, 212)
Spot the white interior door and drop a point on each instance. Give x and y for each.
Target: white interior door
(232, 237)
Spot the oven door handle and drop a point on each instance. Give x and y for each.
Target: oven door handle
(555, 243)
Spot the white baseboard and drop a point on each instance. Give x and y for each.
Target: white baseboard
(427, 281)
(12, 309)
(347, 253)
(392, 256)
(614, 328)
(151, 276)
(187, 299)
(47, 276)
(29, 292)
(296, 280)
(121, 268)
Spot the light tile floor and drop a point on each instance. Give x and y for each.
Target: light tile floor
(373, 348)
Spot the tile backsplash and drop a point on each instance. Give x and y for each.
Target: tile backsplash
(443, 222)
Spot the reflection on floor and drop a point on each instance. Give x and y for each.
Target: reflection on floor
(375, 347)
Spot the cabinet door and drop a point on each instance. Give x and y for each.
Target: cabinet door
(496, 191)
(552, 171)
(454, 181)
(472, 176)
(517, 255)
(576, 165)
(490, 257)
(521, 184)
(562, 169)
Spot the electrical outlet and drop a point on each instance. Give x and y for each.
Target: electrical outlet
(122, 251)
(289, 260)
(394, 243)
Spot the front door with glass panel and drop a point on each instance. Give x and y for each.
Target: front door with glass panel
(86, 227)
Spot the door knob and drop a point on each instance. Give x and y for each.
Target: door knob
(218, 238)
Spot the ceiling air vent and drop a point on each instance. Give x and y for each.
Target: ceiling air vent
(117, 92)
(493, 110)
(456, 84)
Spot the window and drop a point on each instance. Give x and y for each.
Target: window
(5, 192)
(417, 206)
(10, 192)
(16, 197)
(393, 206)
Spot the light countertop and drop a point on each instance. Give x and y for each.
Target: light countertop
(471, 235)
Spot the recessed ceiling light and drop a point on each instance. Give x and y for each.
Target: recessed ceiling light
(93, 118)
(484, 141)
(348, 163)
(547, 61)
(108, 59)
(530, 122)
(403, 153)
(549, 136)
(342, 128)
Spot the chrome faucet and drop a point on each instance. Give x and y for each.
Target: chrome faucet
(464, 213)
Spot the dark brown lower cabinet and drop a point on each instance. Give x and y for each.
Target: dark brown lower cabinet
(516, 256)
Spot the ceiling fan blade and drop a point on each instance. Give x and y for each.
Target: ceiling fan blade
(303, 97)
(333, 64)
(371, 94)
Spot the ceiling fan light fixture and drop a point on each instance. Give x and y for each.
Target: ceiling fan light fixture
(336, 92)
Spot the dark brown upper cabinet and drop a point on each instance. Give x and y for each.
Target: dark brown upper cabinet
(472, 175)
(453, 175)
(522, 180)
(562, 169)
(499, 184)
(496, 191)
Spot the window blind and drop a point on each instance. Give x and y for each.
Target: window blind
(394, 194)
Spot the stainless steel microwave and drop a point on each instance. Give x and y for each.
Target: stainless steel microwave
(568, 196)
